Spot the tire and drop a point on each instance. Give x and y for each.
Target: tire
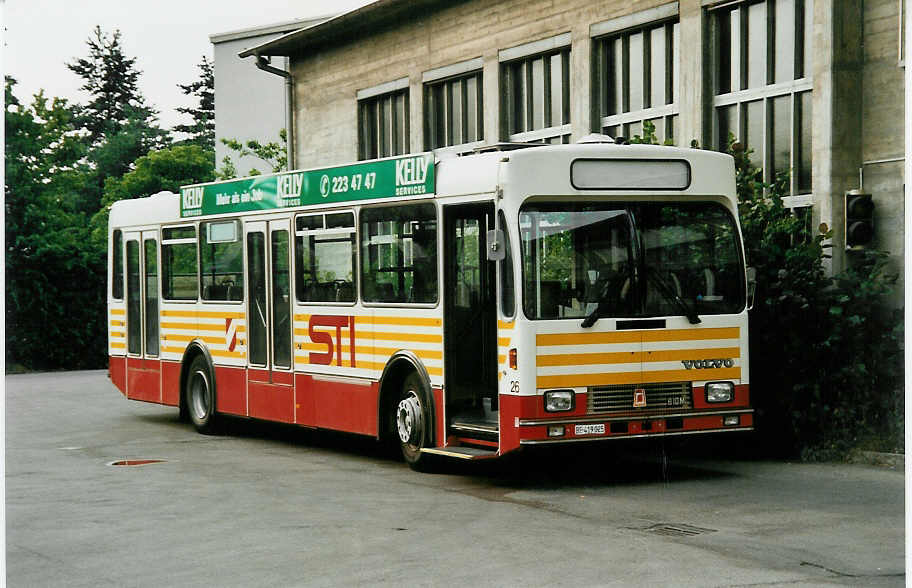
(411, 422)
(199, 396)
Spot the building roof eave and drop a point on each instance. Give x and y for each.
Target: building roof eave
(345, 27)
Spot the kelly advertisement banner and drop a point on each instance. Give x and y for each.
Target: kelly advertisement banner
(411, 175)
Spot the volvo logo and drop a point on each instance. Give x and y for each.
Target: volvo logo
(707, 364)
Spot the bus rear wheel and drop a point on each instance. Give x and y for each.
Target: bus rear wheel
(411, 422)
(200, 396)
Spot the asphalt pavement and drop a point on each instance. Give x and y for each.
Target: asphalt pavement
(268, 505)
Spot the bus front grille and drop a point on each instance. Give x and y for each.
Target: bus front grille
(620, 397)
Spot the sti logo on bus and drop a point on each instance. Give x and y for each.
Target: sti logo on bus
(193, 198)
(411, 173)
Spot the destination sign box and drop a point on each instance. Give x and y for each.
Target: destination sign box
(411, 175)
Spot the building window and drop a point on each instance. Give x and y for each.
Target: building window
(537, 97)
(454, 111)
(636, 80)
(762, 85)
(383, 125)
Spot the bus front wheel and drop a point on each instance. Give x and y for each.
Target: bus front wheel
(411, 422)
(200, 396)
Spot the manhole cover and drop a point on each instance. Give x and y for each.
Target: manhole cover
(677, 530)
(135, 462)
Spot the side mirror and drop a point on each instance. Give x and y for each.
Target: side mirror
(751, 286)
(497, 250)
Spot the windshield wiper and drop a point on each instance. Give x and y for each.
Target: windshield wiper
(669, 294)
(594, 315)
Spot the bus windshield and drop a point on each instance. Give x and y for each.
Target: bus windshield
(630, 260)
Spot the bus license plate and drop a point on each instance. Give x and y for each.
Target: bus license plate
(589, 429)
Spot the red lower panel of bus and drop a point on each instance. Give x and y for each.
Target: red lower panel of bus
(144, 379)
(438, 412)
(339, 405)
(170, 379)
(231, 390)
(117, 370)
(270, 395)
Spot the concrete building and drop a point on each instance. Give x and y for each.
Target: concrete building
(249, 103)
(814, 87)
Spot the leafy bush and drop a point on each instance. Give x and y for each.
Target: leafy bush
(825, 351)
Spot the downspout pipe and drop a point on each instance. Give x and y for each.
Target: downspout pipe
(262, 63)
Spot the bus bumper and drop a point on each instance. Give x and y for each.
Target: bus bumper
(576, 429)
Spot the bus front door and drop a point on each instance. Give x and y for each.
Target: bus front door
(270, 380)
(470, 330)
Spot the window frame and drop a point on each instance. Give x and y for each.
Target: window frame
(371, 126)
(179, 241)
(354, 232)
(522, 58)
(742, 96)
(201, 232)
(437, 261)
(604, 62)
(431, 115)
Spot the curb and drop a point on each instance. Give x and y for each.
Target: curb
(892, 460)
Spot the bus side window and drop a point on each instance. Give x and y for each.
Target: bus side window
(507, 293)
(117, 269)
(325, 257)
(221, 261)
(178, 260)
(399, 254)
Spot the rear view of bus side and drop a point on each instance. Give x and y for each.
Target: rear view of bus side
(466, 307)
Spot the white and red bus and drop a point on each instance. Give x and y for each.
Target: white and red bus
(465, 307)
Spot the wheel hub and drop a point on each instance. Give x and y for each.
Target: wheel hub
(199, 395)
(408, 419)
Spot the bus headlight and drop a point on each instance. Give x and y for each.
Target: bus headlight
(720, 392)
(559, 400)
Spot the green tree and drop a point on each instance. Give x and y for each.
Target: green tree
(52, 271)
(120, 126)
(273, 154)
(166, 169)
(825, 351)
(202, 131)
(111, 79)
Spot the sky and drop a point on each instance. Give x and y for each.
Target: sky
(167, 37)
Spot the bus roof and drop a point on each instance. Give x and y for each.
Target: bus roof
(548, 170)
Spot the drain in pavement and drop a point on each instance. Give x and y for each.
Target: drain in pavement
(135, 462)
(677, 530)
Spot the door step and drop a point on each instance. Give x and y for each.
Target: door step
(461, 452)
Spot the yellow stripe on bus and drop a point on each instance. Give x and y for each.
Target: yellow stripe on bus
(367, 320)
(365, 350)
(188, 338)
(543, 339)
(636, 356)
(117, 323)
(506, 325)
(117, 333)
(225, 353)
(200, 327)
(503, 341)
(202, 314)
(118, 311)
(168, 349)
(404, 321)
(368, 365)
(118, 345)
(583, 380)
